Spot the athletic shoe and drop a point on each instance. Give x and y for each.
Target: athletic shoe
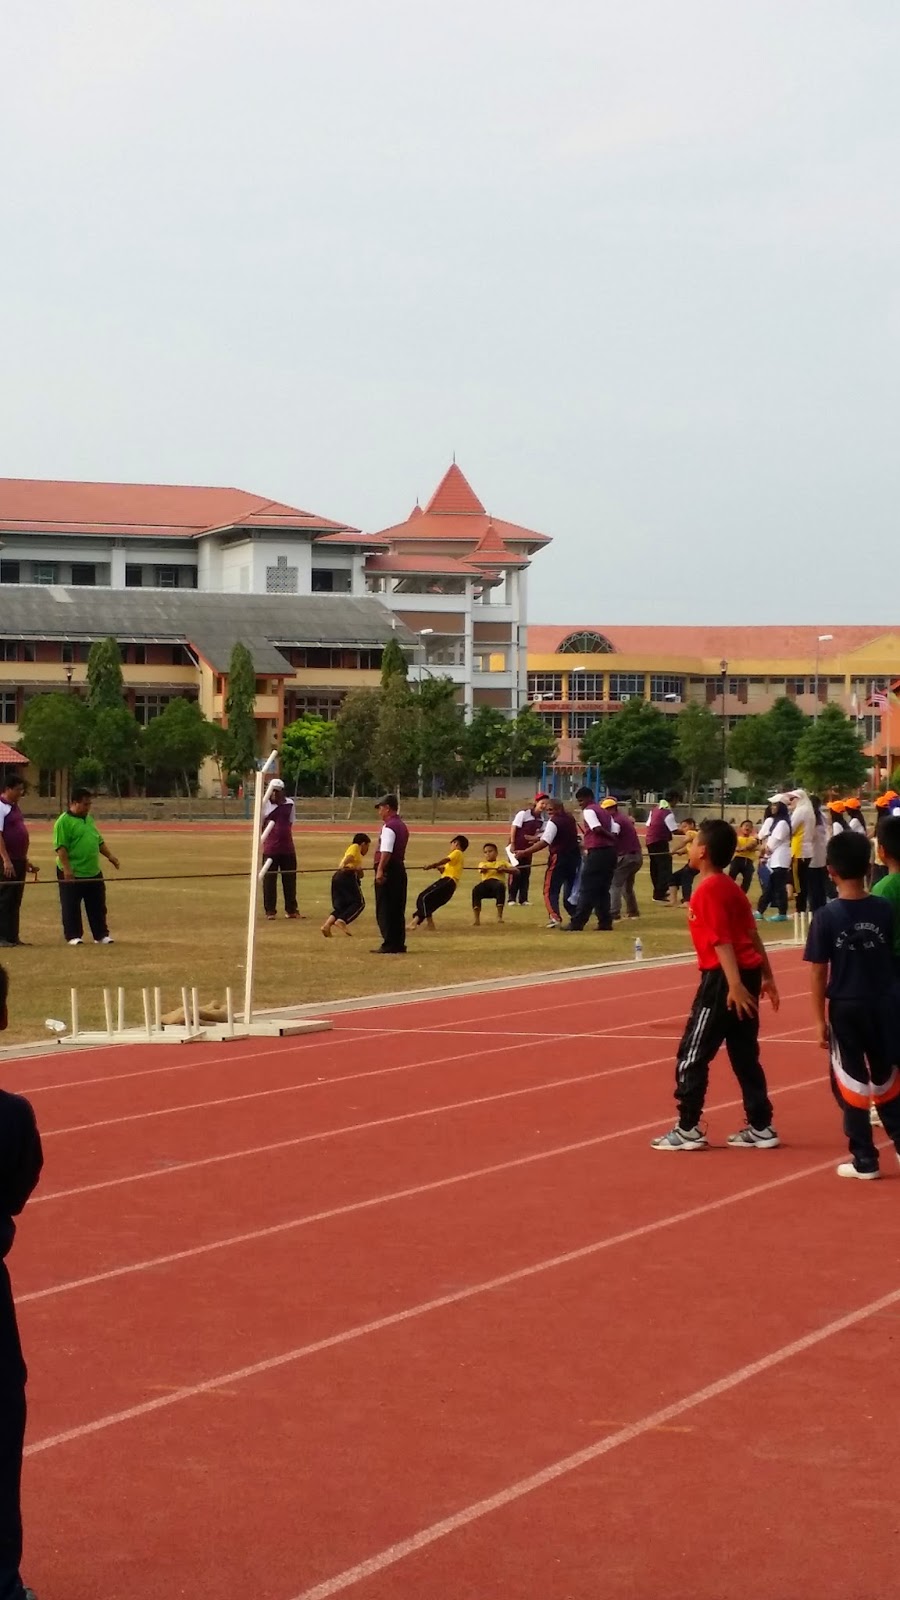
(874, 1118)
(76, 941)
(680, 1139)
(106, 940)
(754, 1139)
(848, 1170)
(779, 918)
(292, 916)
(271, 917)
(551, 925)
(758, 916)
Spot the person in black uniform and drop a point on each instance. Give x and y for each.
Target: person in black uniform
(390, 878)
(21, 1160)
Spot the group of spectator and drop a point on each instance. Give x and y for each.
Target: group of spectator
(78, 846)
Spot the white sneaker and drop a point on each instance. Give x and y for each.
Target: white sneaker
(681, 1139)
(76, 941)
(848, 1170)
(754, 1139)
(874, 1118)
(106, 940)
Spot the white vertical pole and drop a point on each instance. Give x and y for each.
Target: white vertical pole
(157, 1010)
(229, 1010)
(108, 1012)
(121, 1010)
(75, 1028)
(256, 849)
(148, 1023)
(195, 1010)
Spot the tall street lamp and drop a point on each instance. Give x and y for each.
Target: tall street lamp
(821, 638)
(724, 669)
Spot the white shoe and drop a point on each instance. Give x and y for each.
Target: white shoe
(106, 940)
(848, 1170)
(76, 941)
(874, 1118)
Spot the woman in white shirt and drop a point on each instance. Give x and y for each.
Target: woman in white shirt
(803, 830)
(818, 877)
(777, 848)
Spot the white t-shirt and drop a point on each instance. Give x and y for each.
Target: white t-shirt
(765, 828)
(592, 820)
(820, 845)
(549, 831)
(780, 845)
(521, 817)
(856, 826)
(387, 840)
(805, 821)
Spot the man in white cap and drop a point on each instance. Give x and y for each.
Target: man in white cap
(279, 852)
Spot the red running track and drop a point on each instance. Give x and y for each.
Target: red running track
(413, 1310)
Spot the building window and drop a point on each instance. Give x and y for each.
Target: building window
(167, 577)
(626, 685)
(84, 574)
(663, 688)
(9, 650)
(580, 721)
(67, 653)
(447, 652)
(148, 706)
(139, 656)
(8, 708)
(134, 577)
(9, 572)
(45, 572)
(317, 705)
(585, 643)
(553, 722)
(737, 686)
(29, 651)
(281, 579)
(546, 684)
(489, 661)
(330, 580)
(46, 783)
(586, 686)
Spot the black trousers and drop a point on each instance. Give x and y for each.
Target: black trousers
(861, 1039)
(286, 864)
(436, 895)
(559, 880)
(817, 882)
(594, 887)
(518, 886)
(660, 868)
(775, 892)
(490, 889)
(12, 1438)
(347, 901)
(87, 892)
(390, 908)
(801, 883)
(11, 892)
(710, 1025)
(742, 868)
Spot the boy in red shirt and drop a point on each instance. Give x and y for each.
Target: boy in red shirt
(734, 972)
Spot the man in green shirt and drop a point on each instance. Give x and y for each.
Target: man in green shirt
(888, 888)
(78, 847)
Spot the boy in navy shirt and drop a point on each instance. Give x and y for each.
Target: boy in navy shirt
(849, 949)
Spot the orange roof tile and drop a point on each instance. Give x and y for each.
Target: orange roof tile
(143, 509)
(10, 757)
(781, 642)
(454, 497)
(432, 565)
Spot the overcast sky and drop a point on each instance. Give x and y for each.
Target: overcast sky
(636, 261)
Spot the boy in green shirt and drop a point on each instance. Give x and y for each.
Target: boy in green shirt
(888, 888)
(79, 846)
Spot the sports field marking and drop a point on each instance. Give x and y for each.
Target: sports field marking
(613, 1441)
(440, 1302)
(371, 1204)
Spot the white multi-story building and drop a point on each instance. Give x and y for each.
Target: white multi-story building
(453, 575)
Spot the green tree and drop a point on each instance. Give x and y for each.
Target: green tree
(393, 663)
(115, 742)
(488, 745)
(829, 754)
(442, 734)
(240, 709)
(396, 752)
(306, 751)
(105, 683)
(764, 747)
(634, 748)
(532, 744)
(698, 747)
(178, 740)
(355, 736)
(54, 731)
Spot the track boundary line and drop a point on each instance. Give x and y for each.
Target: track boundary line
(568, 1464)
(352, 1207)
(423, 1308)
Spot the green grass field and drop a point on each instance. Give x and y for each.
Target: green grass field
(182, 928)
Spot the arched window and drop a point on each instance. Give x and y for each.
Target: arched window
(585, 643)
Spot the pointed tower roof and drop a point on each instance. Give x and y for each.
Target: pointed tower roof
(454, 497)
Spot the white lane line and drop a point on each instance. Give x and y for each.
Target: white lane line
(353, 1207)
(581, 1458)
(351, 1127)
(411, 1313)
(377, 1072)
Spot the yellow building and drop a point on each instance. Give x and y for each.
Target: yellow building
(577, 675)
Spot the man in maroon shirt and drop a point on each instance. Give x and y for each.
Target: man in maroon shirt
(629, 860)
(390, 878)
(279, 816)
(734, 972)
(14, 862)
(560, 838)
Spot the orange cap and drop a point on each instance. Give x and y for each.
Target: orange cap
(886, 798)
(836, 805)
(852, 804)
